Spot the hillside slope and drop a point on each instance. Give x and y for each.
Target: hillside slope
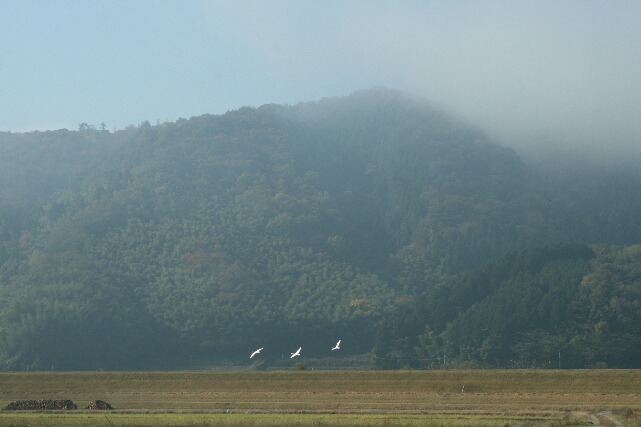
(195, 241)
(562, 306)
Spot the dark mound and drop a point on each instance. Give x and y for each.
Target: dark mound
(98, 404)
(31, 405)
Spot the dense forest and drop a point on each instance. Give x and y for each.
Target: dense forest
(375, 218)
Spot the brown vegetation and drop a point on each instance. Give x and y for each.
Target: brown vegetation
(411, 392)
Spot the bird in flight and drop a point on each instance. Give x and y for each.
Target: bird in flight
(297, 353)
(256, 352)
(337, 346)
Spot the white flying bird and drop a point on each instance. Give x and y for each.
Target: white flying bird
(297, 353)
(337, 346)
(256, 352)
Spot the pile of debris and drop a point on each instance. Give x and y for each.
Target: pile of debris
(98, 404)
(34, 405)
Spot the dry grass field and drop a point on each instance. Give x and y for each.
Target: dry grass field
(332, 398)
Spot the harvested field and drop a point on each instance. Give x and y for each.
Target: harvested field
(513, 397)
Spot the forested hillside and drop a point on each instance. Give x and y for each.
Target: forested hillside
(566, 306)
(190, 243)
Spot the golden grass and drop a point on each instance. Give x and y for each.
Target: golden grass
(522, 397)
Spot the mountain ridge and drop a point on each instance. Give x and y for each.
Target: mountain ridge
(195, 239)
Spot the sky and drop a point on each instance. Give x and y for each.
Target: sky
(565, 72)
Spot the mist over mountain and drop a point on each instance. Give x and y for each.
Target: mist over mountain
(191, 243)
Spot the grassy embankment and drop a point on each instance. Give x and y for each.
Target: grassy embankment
(332, 398)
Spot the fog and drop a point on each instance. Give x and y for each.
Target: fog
(531, 73)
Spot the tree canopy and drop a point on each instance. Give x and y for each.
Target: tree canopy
(189, 242)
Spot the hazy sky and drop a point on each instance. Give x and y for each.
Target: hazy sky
(524, 70)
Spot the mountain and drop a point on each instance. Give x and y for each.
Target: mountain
(195, 242)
